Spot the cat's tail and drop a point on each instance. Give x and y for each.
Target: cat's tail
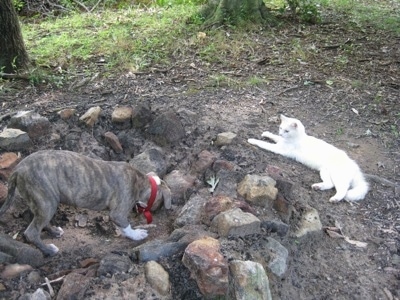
(359, 188)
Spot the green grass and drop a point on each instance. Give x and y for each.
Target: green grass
(135, 38)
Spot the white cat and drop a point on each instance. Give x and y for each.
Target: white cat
(335, 167)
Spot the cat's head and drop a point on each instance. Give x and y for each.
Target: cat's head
(290, 128)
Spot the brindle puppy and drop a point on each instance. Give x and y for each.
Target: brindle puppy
(46, 178)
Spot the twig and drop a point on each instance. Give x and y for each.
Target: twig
(81, 5)
(288, 90)
(93, 8)
(53, 281)
(14, 76)
(51, 291)
(382, 181)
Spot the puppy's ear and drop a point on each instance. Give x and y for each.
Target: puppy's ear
(166, 194)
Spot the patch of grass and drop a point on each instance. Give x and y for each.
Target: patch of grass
(125, 39)
(383, 14)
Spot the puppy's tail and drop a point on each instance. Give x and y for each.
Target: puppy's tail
(12, 184)
(359, 188)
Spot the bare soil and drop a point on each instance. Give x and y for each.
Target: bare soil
(343, 83)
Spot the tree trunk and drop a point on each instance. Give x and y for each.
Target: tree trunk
(218, 12)
(13, 55)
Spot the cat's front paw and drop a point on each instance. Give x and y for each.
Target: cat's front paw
(316, 187)
(334, 200)
(252, 141)
(268, 134)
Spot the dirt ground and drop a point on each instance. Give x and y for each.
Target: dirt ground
(343, 84)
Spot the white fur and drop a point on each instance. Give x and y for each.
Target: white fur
(335, 167)
(134, 234)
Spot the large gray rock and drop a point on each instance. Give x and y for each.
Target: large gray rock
(151, 160)
(31, 122)
(167, 129)
(14, 140)
(113, 263)
(248, 281)
(236, 222)
(191, 212)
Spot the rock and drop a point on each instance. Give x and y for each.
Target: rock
(275, 226)
(191, 212)
(67, 113)
(31, 122)
(34, 277)
(8, 160)
(214, 206)
(122, 117)
(158, 249)
(151, 160)
(221, 164)
(248, 281)
(91, 116)
(258, 190)
(278, 257)
(236, 222)
(205, 159)
(22, 253)
(73, 287)
(207, 266)
(113, 141)
(180, 185)
(309, 222)
(14, 270)
(190, 233)
(227, 183)
(113, 263)
(14, 140)
(141, 116)
(157, 277)
(39, 294)
(225, 138)
(283, 207)
(166, 129)
(3, 192)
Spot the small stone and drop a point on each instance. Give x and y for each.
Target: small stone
(3, 192)
(8, 160)
(157, 277)
(259, 190)
(67, 113)
(236, 222)
(13, 270)
(34, 277)
(225, 138)
(309, 222)
(122, 114)
(91, 116)
(113, 141)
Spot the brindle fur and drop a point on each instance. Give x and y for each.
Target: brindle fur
(46, 178)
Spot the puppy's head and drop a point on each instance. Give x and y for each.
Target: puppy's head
(163, 193)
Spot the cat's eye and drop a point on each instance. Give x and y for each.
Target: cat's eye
(286, 131)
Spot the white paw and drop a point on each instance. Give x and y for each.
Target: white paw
(334, 200)
(267, 134)
(134, 234)
(53, 248)
(60, 232)
(252, 141)
(316, 186)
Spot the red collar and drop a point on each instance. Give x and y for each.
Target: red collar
(146, 210)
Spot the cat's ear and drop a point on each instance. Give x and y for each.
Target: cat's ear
(283, 117)
(294, 125)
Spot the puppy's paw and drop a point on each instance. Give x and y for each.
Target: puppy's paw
(59, 232)
(134, 234)
(51, 249)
